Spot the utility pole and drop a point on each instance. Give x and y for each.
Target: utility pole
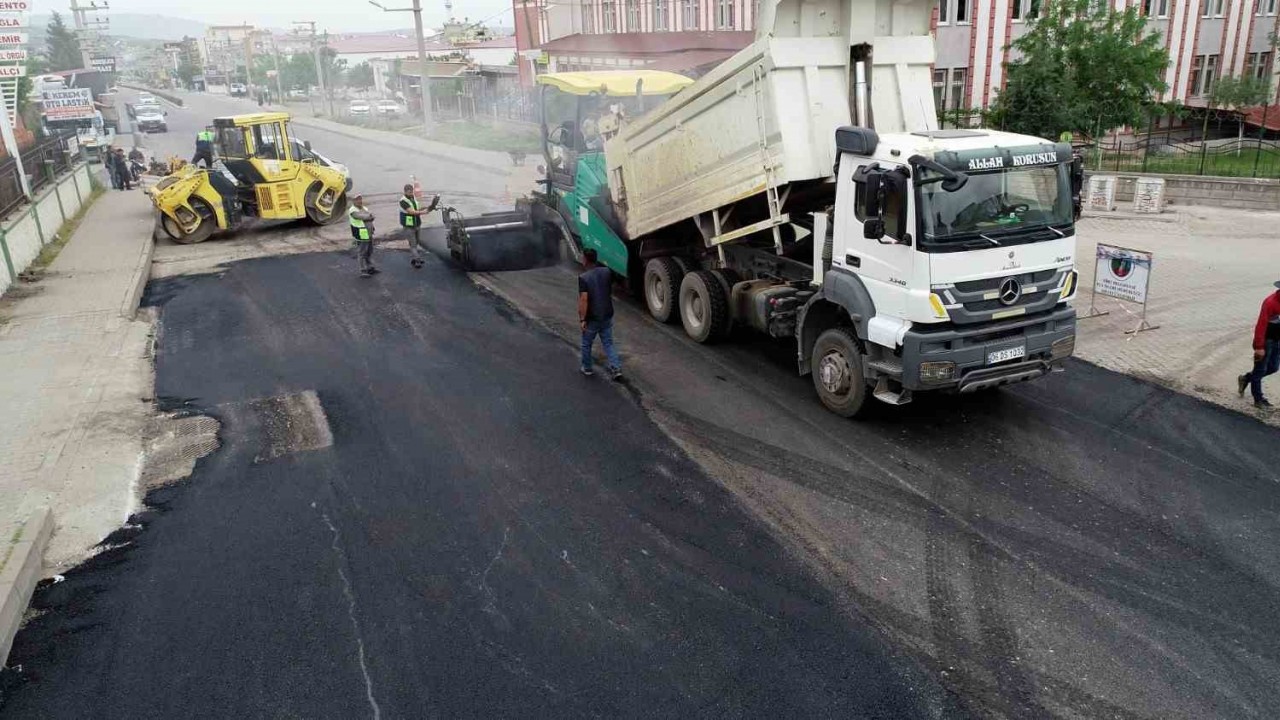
(427, 120)
(275, 56)
(315, 51)
(87, 28)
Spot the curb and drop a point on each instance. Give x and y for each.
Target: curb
(20, 574)
(138, 282)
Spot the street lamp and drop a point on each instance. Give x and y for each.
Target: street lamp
(422, 58)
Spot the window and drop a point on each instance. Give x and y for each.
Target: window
(588, 18)
(953, 11)
(1163, 9)
(633, 16)
(724, 14)
(1212, 8)
(940, 89)
(893, 209)
(661, 13)
(1258, 65)
(609, 11)
(1025, 9)
(1203, 71)
(268, 142)
(955, 93)
(1271, 7)
(690, 10)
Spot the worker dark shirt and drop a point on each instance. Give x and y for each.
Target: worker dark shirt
(597, 283)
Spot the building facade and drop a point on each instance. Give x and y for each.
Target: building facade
(1206, 39)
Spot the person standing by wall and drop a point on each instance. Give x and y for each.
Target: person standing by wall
(595, 313)
(1266, 349)
(362, 232)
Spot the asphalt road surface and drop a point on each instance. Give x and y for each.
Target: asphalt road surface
(495, 535)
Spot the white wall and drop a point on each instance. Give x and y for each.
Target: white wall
(23, 238)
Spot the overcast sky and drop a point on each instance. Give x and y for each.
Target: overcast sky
(332, 15)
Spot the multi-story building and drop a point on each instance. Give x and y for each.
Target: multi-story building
(1206, 39)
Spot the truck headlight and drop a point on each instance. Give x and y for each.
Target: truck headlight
(936, 372)
(1062, 348)
(1069, 287)
(938, 308)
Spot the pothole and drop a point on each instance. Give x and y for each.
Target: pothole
(173, 445)
(291, 424)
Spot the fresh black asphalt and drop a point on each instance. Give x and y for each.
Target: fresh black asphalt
(489, 535)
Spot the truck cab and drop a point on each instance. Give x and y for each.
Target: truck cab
(956, 250)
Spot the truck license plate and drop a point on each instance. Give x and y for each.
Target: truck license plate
(1012, 353)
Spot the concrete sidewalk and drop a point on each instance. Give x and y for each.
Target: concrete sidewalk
(75, 378)
(1212, 268)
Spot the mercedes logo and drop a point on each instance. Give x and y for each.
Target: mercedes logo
(1010, 291)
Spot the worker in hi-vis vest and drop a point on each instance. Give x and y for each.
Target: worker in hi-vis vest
(362, 232)
(204, 148)
(411, 221)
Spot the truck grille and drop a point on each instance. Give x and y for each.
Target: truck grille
(980, 300)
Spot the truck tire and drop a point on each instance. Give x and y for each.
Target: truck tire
(837, 372)
(662, 277)
(704, 306)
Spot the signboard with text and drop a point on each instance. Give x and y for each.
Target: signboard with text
(103, 64)
(13, 38)
(1122, 273)
(13, 54)
(14, 6)
(68, 104)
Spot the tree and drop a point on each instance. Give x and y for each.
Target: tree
(1234, 93)
(63, 49)
(1085, 68)
(360, 76)
(187, 72)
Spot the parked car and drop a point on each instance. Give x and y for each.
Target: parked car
(389, 107)
(297, 94)
(239, 90)
(358, 108)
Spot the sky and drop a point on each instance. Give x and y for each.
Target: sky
(336, 16)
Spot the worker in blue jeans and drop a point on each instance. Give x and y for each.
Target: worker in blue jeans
(595, 313)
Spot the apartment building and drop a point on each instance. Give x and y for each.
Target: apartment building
(1206, 39)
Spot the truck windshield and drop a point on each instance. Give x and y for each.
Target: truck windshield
(1000, 206)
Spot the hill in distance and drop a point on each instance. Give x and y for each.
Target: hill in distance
(134, 25)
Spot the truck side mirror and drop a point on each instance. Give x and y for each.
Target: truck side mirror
(873, 228)
(1077, 175)
(307, 144)
(873, 189)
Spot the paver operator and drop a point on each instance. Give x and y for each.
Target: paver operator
(362, 232)
(411, 221)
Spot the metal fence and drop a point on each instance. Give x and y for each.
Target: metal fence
(43, 162)
(1168, 153)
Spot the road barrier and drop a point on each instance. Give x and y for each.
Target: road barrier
(158, 93)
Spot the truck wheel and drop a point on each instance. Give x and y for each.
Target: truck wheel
(662, 278)
(837, 372)
(704, 306)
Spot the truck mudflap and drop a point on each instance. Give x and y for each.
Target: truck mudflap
(972, 358)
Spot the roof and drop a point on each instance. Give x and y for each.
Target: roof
(250, 119)
(690, 60)
(655, 43)
(393, 44)
(618, 83)
(1268, 114)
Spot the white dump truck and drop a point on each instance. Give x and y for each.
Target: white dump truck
(804, 189)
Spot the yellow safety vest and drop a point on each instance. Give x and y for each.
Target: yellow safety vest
(406, 219)
(359, 229)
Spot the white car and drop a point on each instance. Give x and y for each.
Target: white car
(389, 107)
(358, 108)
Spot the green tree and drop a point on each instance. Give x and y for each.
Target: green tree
(1235, 94)
(1085, 68)
(187, 71)
(62, 50)
(360, 76)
